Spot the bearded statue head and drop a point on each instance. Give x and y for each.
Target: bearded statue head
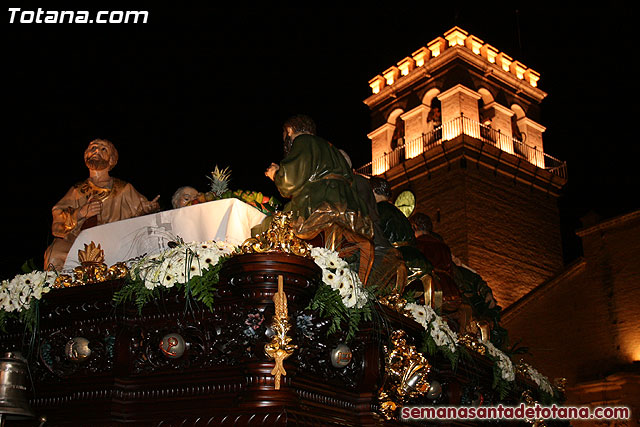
(296, 124)
(101, 154)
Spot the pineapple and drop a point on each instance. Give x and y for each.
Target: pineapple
(219, 181)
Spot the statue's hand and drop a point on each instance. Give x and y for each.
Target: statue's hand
(90, 209)
(271, 171)
(152, 206)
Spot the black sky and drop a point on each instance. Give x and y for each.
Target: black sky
(210, 85)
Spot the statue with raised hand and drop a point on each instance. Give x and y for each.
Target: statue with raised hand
(317, 180)
(99, 199)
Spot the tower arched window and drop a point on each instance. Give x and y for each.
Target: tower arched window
(434, 121)
(397, 142)
(398, 134)
(486, 115)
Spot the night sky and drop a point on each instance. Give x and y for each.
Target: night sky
(202, 86)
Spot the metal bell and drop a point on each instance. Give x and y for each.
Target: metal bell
(14, 402)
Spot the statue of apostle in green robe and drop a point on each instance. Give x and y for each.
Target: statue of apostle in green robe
(318, 181)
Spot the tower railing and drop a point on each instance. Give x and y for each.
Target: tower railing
(464, 126)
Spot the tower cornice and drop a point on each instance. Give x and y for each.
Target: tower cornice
(457, 44)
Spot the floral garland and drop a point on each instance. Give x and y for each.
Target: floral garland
(504, 373)
(337, 274)
(179, 264)
(438, 329)
(188, 265)
(17, 295)
(542, 381)
(444, 339)
(192, 267)
(343, 299)
(439, 334)
(502, 362)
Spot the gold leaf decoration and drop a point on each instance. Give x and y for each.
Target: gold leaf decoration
(91, 254)
(92, 269)
(280, 346)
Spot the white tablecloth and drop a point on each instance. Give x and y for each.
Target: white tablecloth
(227, 220)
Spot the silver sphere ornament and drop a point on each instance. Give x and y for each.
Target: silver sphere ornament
(77, 349)
(172, 345)
(435, 390)
(341, 356)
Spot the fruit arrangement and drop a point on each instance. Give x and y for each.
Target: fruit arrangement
(265, 204)
(220, 190)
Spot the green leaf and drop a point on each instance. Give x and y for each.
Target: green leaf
(28, 266)
(200, 288)
(328, 303)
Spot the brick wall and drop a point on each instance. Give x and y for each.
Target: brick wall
(507, 231)
(440, 198)
(585, 324)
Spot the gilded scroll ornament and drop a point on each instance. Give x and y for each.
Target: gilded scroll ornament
(280, 237)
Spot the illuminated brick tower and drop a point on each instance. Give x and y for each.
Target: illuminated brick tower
(456, 123)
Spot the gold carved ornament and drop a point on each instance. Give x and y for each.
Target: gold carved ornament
(560, 384)
(280, 346)
(92, 269)
(280, 237)
(472, 343)
(530, 401)
(394, 301)
(406, 372)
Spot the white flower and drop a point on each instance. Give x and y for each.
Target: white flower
(350, 301)
(225, 247)
(418, 312)
(326, 258)
(346, 287)
(5, 300)
(445, 335)
(172, 271)
(362, 297)
(334, 261)
(330, 278)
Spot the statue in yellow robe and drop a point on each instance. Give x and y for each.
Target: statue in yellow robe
(100, 199)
